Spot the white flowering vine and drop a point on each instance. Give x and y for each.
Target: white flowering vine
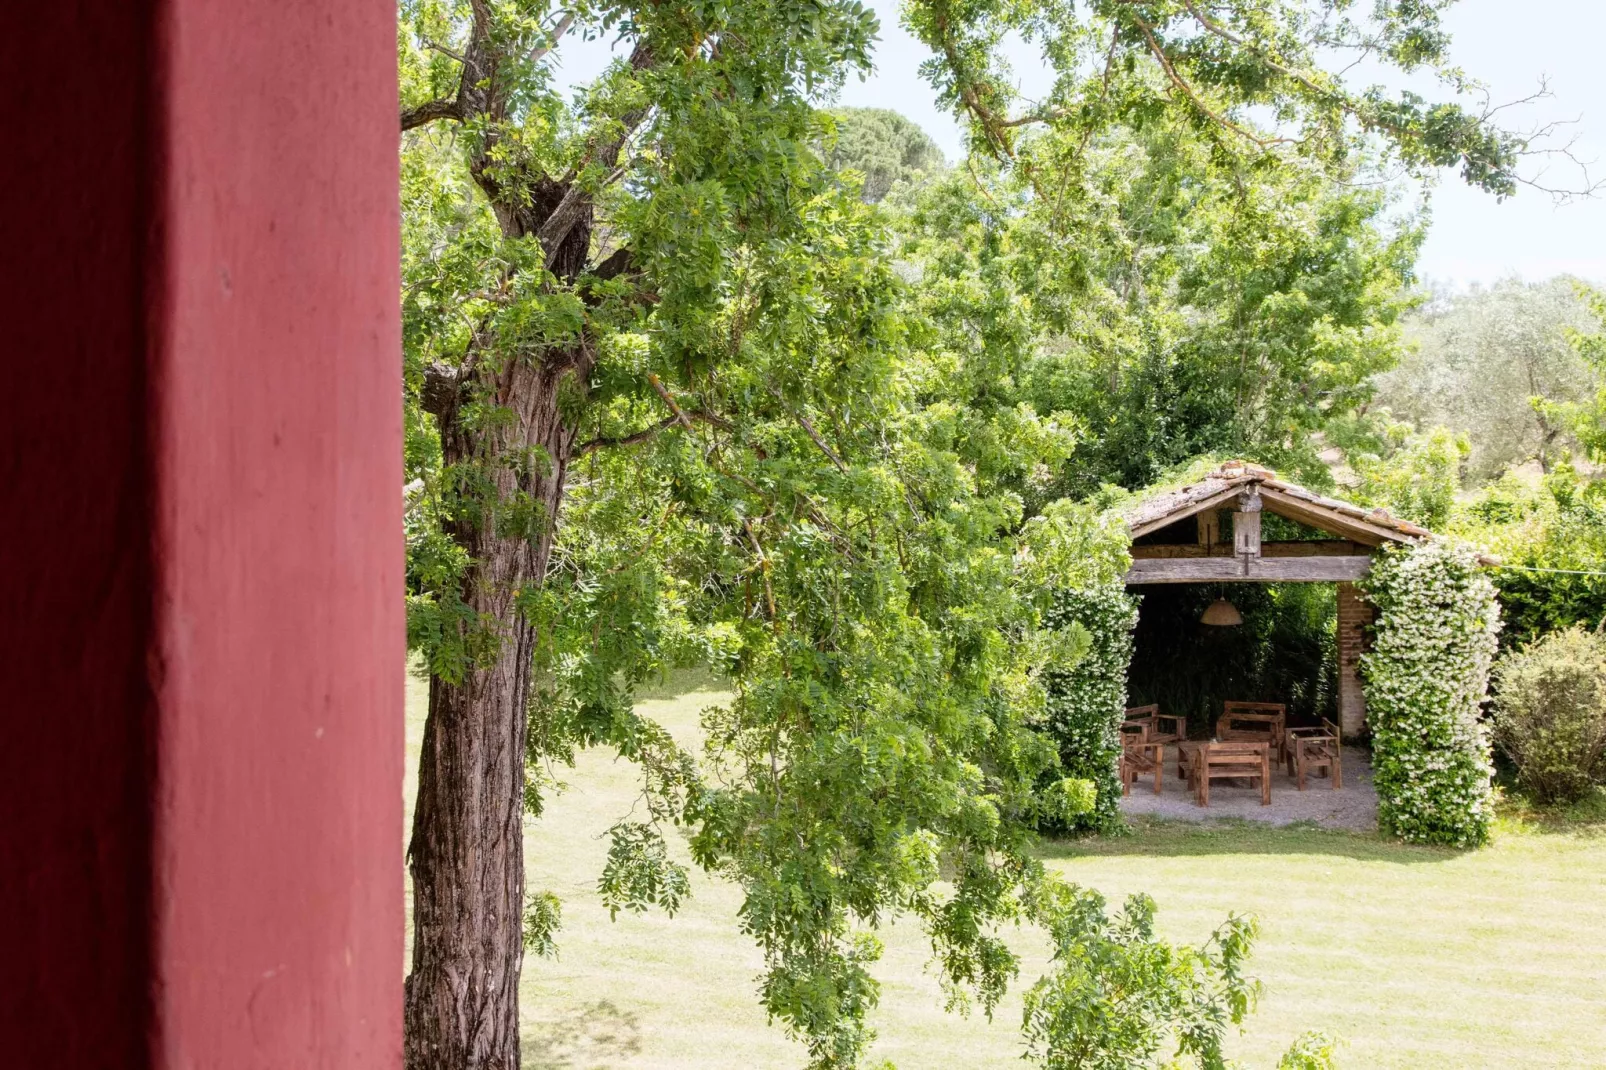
(1427, 676)
(1085, 704)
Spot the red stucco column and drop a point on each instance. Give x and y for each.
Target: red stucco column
(201, 635)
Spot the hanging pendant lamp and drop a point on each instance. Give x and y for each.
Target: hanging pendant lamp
(1222, 614)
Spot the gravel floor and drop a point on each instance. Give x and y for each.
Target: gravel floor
(1352, 807)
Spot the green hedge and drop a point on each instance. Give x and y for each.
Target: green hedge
(1427, 676)
(1085, 703)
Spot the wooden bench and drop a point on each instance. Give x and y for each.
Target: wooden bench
(1139, 757)
(1253, 722)
(1205, 762)
(1157, 727)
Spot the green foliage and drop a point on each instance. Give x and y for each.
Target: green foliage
(639, 872)
(1085, 701)
(1550, 713)
(1284, 651)
(1120, 62)
(1550, 538)
(1117, 994)
(1313, 1051)
(1479, 361)
(882, 147)
(1163, 305)
(543, 917)
(1587, 417)
(1426, 677)
(1419, 477)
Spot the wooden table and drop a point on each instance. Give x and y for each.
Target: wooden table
(1205, 760)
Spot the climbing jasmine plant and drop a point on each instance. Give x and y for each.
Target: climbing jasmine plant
(1079, 553)
(1085, 701)
(1426, 679)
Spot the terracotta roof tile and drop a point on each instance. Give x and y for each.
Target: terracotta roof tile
(1144, 513)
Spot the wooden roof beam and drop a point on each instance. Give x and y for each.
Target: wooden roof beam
(1315, 516)
(1335, 569)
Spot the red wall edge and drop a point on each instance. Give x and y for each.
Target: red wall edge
(200, 811)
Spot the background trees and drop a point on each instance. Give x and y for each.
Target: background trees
(882, 146)
(1477, 362)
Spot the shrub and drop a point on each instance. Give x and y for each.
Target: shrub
(1426, 678)
(1118, 995)
(1085, 704)
(1550, 713)
(1550, 537)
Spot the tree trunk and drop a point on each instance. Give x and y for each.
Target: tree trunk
(467, 850)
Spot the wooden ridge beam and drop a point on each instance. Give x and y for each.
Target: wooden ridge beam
(1304, 548)
(1338, 568)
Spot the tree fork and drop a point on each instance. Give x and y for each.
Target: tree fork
(466, 854)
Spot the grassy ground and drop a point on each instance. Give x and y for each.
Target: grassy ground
(1415, 957)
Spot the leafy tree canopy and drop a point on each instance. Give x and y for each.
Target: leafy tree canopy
(1486, 363)
(880, 145)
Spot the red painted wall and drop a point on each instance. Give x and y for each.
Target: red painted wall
(200, 850)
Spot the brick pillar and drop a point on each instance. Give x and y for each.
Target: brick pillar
(1354, 614)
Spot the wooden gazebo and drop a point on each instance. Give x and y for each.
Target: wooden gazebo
(1210, 532)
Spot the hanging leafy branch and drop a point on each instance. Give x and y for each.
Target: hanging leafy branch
(1213, 63)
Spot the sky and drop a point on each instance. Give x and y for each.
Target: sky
(1510, 45)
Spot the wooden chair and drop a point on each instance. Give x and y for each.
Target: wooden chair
(1157, 727)
(1139, 757)
(1218, 761)
(1316, 749)
(1254, 722)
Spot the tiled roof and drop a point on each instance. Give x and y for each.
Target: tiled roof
(1153, 512)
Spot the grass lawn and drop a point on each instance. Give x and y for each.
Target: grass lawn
(1415, 957)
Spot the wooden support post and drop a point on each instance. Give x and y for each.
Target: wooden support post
(1246, 527)
(1209, 527)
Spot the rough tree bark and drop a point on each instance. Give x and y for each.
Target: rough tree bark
(466, 856)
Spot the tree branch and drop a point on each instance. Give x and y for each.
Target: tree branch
(617, 263)
(681, 416)
(577, 197)
(808, 428)
(626, 440)
(540, 51)
(443, 384)
(429, 112)
(1187, 90)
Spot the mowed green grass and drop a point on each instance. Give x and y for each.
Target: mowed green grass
(1414, 957)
